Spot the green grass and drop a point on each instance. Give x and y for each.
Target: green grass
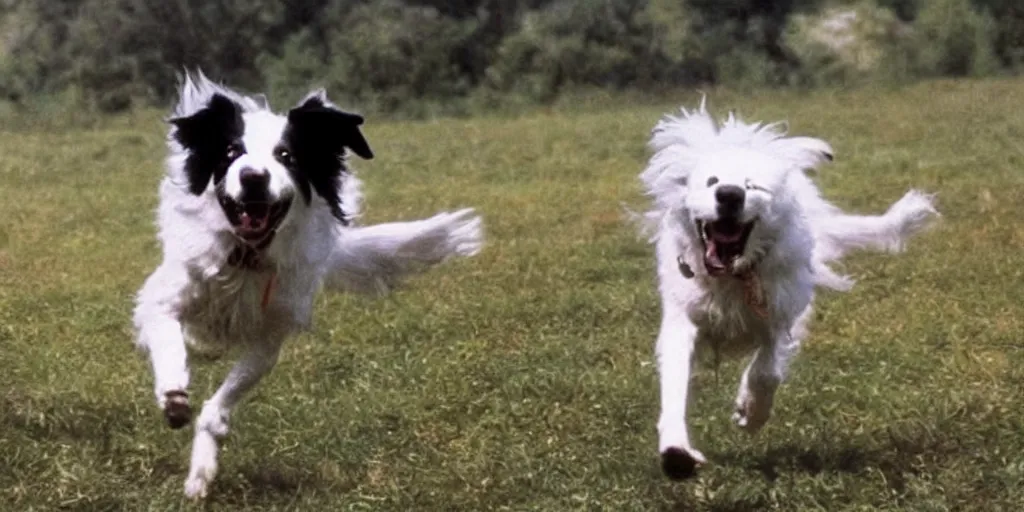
(523, 379)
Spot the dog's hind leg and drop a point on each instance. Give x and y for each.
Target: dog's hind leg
(160, 334)
(212, 423)
(676, 342)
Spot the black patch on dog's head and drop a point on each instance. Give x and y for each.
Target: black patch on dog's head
(212, 137)
(316, 137)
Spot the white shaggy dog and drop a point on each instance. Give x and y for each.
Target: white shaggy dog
(254, 217)
(742, 239)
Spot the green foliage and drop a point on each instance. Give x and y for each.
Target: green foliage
(117, 51)
(848, 43)
(570, 44)
(905, 10)
(1008, 19)
(424, 56)
(35, 58)
(387, 53)
(954, 39)
(672, 35)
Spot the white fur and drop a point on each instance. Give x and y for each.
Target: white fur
(194, 297)
(796, 235)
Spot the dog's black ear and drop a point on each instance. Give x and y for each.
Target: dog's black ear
(318, 119)
(192, 130)
(206, 134)
(318, 135)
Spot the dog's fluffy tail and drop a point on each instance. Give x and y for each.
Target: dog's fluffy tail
(838, 233)
(374, 259)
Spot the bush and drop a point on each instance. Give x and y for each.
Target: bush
(34, 34)
(117, 51)
(421, 56)
(953, 39)
(382, 53)
(1007, 25)
(575, 43)
(674, 44)
(849, 43)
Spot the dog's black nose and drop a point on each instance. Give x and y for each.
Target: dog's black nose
(253, 178)
(730, 199)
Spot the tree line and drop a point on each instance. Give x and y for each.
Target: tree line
(407, 55)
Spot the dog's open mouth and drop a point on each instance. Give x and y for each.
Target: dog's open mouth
(724, 241)
(255, 222)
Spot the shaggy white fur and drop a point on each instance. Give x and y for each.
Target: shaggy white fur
(230, 157)
(742, 238)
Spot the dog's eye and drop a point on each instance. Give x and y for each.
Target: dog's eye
(712, 180)
(284, 156)
(234, 151)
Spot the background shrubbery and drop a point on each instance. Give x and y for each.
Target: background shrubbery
(416, 56)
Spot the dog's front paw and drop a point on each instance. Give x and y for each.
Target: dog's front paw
(203, 468)
(213, 419)
(177, 412)
(681, 463)
(197, 487)
(752, 412)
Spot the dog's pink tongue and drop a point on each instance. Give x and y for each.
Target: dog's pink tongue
(254, 216)
(250, 223)
(711, 259)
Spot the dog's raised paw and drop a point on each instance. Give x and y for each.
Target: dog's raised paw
(196, 488)
(176, 409)
(465, 233)
(679, 464)
(751, 418)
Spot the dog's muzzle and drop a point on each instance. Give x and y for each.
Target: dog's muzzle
(724, 241)
(255, 215)
(255, 222)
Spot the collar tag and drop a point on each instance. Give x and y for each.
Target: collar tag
(684, 268)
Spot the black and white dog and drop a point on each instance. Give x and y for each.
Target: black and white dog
(255, 216)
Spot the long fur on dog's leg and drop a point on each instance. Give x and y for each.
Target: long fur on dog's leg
(212, 424)
(766, 372)
(840, 233)
(676, 341)
(160, 334)
(374, 259)
(756, 391)
(761, 379)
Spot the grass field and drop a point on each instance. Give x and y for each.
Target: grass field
(523, 379)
